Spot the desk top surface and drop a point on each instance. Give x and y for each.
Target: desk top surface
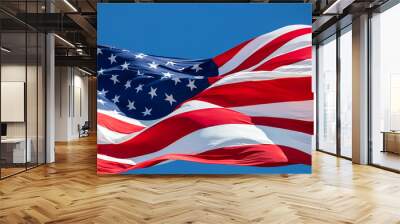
(12, 140)
(391, 132)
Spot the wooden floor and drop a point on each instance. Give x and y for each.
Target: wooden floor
(69, 191)
(387, 159)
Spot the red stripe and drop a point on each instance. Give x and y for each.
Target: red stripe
(269, 48)
(221, 59)
(109, 167)
(247, 155)
(285, 123)
(116, 125)
(286, 59)
(171, 129)
(258, 92)
(281, 60)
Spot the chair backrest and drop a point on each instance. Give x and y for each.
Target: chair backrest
(86, 125)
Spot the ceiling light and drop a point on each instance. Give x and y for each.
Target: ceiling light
(65, 41)
(70, 5)
(5, 50)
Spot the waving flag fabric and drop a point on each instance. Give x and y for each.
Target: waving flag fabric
(249, 106)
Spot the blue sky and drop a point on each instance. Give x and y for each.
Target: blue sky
(192, 30)
(195, 31)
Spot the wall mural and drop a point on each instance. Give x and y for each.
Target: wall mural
(204, 88)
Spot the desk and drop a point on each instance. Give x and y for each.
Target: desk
(391, 141)
(13, 150)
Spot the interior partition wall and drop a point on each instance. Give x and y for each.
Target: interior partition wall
(22, 101)
(334, 93)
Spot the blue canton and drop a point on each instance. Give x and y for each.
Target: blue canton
(147, 87)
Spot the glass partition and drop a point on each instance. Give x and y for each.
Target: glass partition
(327, 95)
(41, 97)
(13, 94)
(31, 97)
(22, 77)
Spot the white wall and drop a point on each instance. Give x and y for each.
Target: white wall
(16, 73)
(33, 126)
(71, 102)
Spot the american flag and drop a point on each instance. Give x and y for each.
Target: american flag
(249, 106)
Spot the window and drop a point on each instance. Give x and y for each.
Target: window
(345, 92)
(327, 95)
(385, 89)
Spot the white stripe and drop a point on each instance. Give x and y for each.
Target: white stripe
(254, 45)
(298, 110)
(112, 159)
(186, 107)
(304, 67)
(232, 135)
(120, 117)
(191, 106)
(297, 43)
(106, 136)
(255, 76)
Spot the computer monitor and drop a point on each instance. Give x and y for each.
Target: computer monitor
(3, 129)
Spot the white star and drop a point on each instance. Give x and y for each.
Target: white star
(191, 85)
(125, 66)
(101, 71)
(146, 112)
(116, 99)
(176, 80)
(99, 51)
(170, 63)
(197, 67)
(141, 56)
(102, 92)
(101, 101)
(112, 59)
(131, 105)
(139, 88)
(152, 92)
(114, 78)
(166, 75)
(116, 112)
(138, 73)
(153, 65)
(128, 84)
(170, 99)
